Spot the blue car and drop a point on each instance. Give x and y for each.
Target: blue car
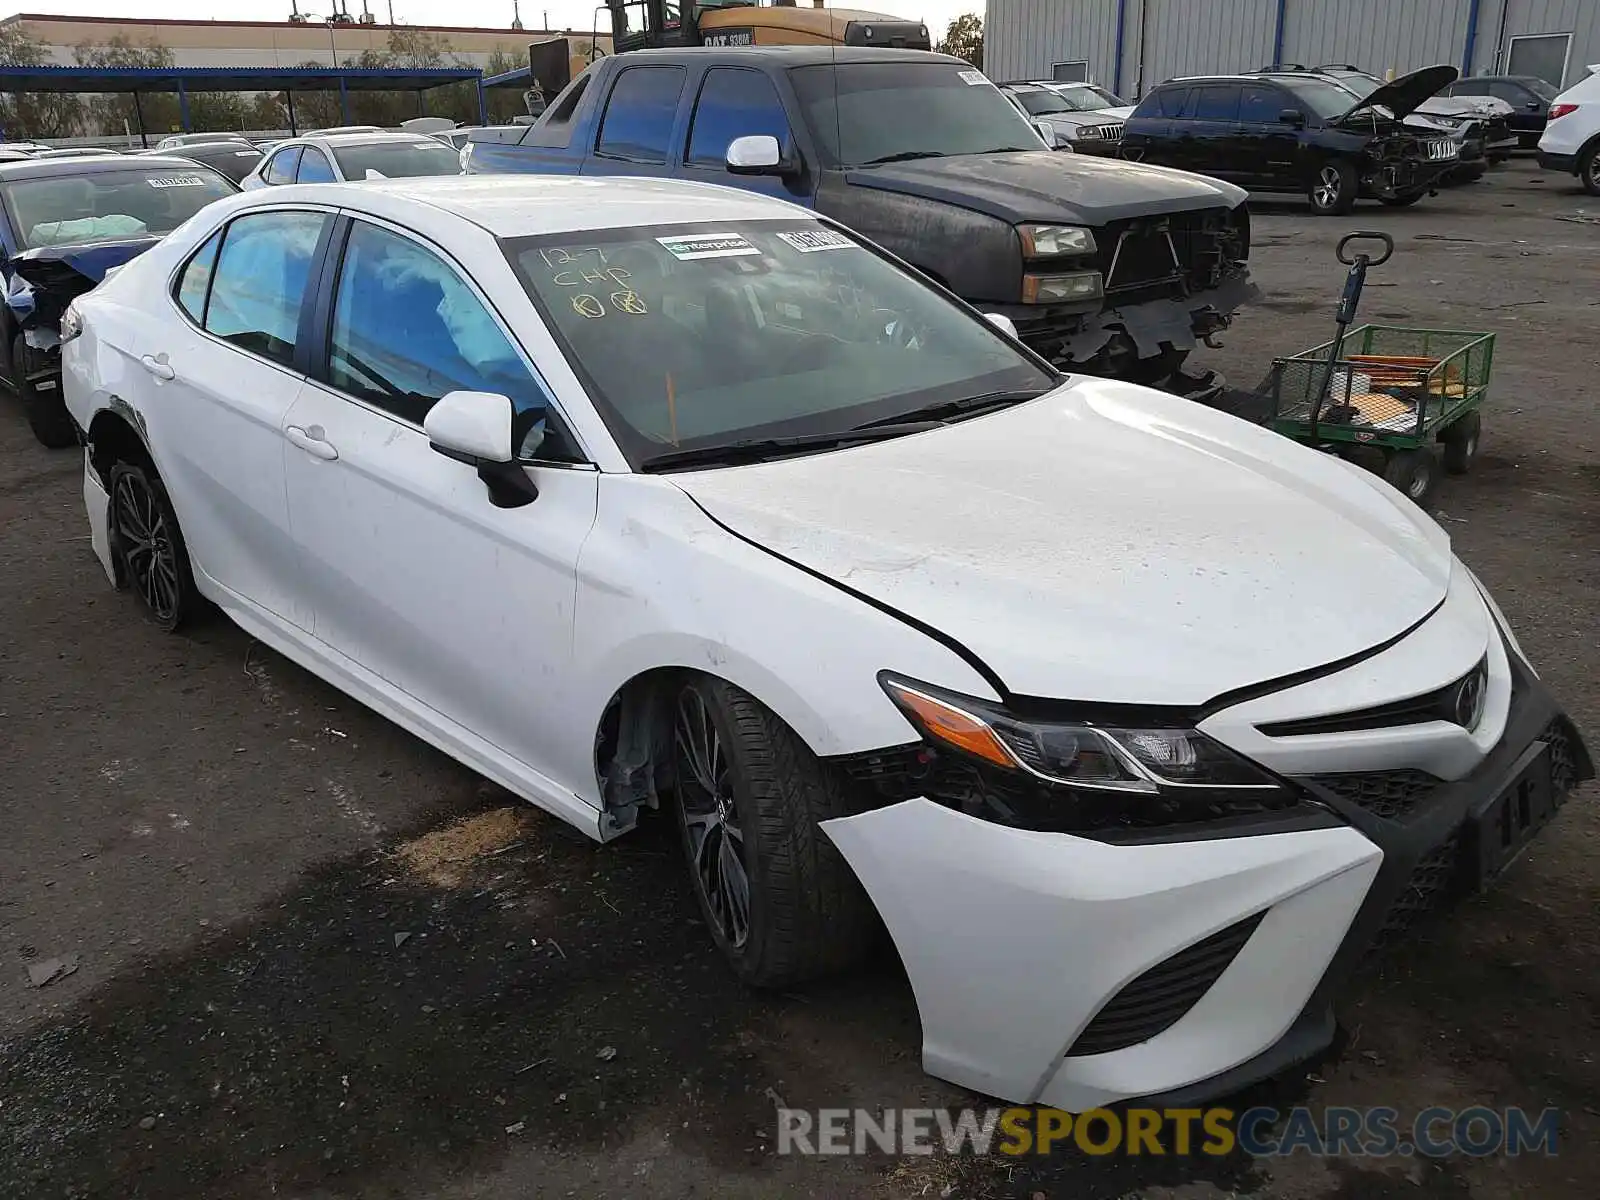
(64, 223)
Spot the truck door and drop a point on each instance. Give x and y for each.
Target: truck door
(735, 102)
(636, 129)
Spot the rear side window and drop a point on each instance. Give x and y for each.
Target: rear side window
(315, 167)
(282, 167)
(195, 281)
(1217, 104)
(637, 125)
(734, 103)
(260, 282)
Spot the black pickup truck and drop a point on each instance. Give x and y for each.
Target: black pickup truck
(1108, 267)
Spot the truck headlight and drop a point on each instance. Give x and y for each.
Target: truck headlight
(1048, 241)
(1056, 289)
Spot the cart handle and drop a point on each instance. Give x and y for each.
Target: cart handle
(1366, 236)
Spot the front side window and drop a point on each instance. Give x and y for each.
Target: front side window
(407, 329)
(637, 125)
(1327, 101)
(260, 283)
(195, 282)
(860, 114)
(71, 210)
(692, 337)
(315, 167)
(282, 167)
(1261, 105)
(734, 103)
(396, 160)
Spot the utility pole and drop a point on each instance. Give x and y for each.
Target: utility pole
(391, 12)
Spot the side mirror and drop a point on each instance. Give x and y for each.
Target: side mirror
(374, 173)
(1001, 322)
(475, 428)
(756, 154)
(1292, 116)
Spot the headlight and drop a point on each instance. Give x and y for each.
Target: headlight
(1048, 241)
(1056, 289)
(71, 322)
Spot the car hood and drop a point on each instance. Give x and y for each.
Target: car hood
(1403, 95)
(1105, 543)
(55, 275)
(1465, 106)
(1044, 186)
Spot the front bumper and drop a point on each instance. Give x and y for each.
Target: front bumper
(1037, 957)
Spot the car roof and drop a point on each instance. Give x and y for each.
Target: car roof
(355, 139)
(52, 168)
(523, 205)
(791, 56)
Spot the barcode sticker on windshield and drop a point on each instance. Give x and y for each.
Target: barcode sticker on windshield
(973, 78)
(809, 241)
(164, 181)
(686, 246)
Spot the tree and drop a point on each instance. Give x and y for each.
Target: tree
(34, 114)
(964, 39)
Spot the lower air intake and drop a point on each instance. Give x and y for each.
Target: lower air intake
(1163, 995)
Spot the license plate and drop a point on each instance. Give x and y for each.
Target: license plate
(1502, 828)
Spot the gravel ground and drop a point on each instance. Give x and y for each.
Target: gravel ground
(316, 959)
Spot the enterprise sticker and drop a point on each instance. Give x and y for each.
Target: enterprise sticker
(687, 246)
(809, 241)
(166, 181)
(973, 78)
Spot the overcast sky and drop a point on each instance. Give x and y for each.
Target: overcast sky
(568, 14)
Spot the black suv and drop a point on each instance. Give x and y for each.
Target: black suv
(1297, 134)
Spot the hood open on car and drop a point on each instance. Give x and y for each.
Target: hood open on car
(53, 276)
(1402, 96)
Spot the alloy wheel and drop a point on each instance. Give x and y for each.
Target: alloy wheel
(1594, 173)
(711, 818)
(146, 544)
(1326, 190)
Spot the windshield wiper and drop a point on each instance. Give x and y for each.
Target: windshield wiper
(756, 449)
(903, 156)
(967, 406)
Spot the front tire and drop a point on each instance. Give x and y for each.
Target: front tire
(47, 414)
(781, 903)
(148, 546)
(1333, 190)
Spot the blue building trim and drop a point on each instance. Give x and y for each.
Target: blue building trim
(1473, 13)
(1279, 30)
(1122, 28)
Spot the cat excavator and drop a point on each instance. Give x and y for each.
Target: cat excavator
(640, 24)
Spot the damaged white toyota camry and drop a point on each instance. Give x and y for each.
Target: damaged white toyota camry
(1137, 726)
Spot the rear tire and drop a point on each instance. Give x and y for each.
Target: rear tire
(1413, 473)
(750, 795)
(148, 546)
(1589, 170)
(1333, 189)
(1460, 441)
(47, 414)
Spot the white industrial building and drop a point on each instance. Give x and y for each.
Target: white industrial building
(1131, 45)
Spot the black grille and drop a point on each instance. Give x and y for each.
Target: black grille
(1564, 772)
(1136, 256)
(896, 768)
(1433, 881)
(1158, 999)
(1388, 794)
(1440, 704)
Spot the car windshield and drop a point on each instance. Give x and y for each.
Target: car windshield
(105, 205)
(1047, 100)
(696, 336)
(1328, 100)
(864, 113)
(395, 160)
(233, 160)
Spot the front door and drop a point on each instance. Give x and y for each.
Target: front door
(1266, 150)
(221, 383)
(412, 572)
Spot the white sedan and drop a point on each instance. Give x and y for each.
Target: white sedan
(1135, 724)
(354, 154)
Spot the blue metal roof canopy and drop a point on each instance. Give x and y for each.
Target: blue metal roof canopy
(183, 80)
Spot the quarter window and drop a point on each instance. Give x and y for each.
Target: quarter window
(282, 167)
(195, 281)
(734, 103)
(407, 329)
(315, 167)
(260, 283)
(638, 121)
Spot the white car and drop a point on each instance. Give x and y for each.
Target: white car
(1086, 118)
(337, 156)
(1137, 724)
(1571, 141)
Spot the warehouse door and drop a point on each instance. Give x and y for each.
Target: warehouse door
(1543, 55)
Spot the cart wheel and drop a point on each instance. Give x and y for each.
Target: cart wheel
(1460, 439)
(1413, 472)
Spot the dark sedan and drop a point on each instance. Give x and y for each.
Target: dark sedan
(1528, 95)
(65, 222)
(235, 159)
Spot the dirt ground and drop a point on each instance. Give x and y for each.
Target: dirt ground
(316, 959)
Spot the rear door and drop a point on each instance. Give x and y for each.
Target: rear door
(735, 102)
(639, 123)
(221, 378)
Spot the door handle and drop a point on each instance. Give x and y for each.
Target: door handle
(310, 442)
(158, 366)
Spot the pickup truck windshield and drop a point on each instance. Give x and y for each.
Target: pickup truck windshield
(104, 206)
(866, 113)
(696, 336)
